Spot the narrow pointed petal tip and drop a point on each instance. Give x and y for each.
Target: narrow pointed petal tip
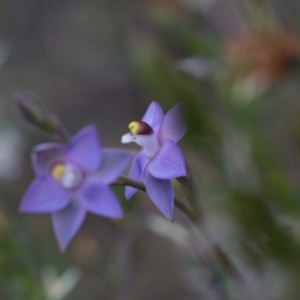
(169, 162)
(173, 126)
(161, 193)
(154, 116)
(84, 149)
(44, 196)
(114, 161)
(67, 222)
(129, 192)
(99, 199)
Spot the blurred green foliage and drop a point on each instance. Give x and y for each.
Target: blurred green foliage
(18, 271)
(242, 110)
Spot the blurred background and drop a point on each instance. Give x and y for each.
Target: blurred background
(235, 66)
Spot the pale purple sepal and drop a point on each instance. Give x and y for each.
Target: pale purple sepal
(84, 149)
(136, 172)
(113, 163)
(99, 199)
(160, 191)
(154, 116)
(43, 156)
(44, 195)
(173, 126)
(168, 162)
(66, 222)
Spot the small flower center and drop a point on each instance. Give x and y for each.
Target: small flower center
(140, 127)
(68, 175)
(142, 134)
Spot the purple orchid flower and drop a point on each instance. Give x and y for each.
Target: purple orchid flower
(72, 179)
(160, 159)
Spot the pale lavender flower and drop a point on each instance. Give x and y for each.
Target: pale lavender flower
(160, 159)
(72, 179)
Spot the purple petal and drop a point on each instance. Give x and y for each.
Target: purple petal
(114, 161)
(99, 199)
(172, 126)
(154, 116)
(136, 172)
(67, 221)
(44, 156)
(168, 162)
(84, 149)
(44, 195)
(160, 191)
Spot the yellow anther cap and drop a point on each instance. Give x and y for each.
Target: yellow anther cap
(58, 171)
(139, 127)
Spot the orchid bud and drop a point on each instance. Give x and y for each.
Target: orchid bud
(33, 112)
